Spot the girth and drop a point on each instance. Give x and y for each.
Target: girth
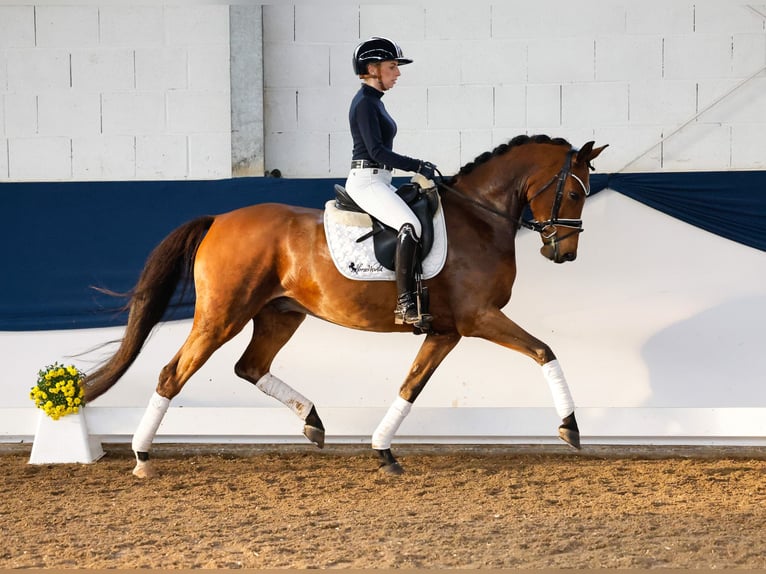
(423, 204)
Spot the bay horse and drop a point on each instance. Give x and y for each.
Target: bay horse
(269, 264)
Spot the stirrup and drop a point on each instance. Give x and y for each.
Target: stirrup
(406, 311)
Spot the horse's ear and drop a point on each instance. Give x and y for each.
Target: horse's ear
(587, 153)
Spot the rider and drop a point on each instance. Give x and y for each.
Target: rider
(376, 61)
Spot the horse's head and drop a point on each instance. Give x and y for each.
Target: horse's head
(556, 200)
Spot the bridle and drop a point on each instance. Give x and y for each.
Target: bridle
(547, 229)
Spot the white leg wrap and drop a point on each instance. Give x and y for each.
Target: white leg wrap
(381, 438)
(150, 422)
(285, 394)
(562, 398)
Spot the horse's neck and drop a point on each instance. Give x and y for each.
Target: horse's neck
(491, 220)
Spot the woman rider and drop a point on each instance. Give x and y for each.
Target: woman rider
(376, 61)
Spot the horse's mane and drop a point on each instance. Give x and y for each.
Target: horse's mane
(504, 147)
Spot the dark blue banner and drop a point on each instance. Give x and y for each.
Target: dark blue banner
(60, 240)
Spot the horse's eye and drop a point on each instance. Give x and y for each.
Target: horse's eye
(574, 196)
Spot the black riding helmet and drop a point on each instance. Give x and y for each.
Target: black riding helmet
(374, 50)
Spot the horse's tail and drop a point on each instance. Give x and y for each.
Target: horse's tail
(171, 262)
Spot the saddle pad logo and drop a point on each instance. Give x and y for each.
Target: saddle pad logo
(357, 260)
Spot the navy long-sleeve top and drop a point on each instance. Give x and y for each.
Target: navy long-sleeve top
(373, 131)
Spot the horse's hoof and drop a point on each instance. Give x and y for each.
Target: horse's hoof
(144, 469)
(314, 434)
(388, 464)
(394, 468)
(570, 436)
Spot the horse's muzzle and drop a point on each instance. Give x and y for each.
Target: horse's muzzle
(554, 252)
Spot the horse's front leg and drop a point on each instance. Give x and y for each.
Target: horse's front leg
(429, 357)
(494, 326)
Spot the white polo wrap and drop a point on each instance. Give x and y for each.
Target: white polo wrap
(285, 394)
(150, 422)
(562, 398)
(384, 434)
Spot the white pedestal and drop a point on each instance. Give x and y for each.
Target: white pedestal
(64, 441)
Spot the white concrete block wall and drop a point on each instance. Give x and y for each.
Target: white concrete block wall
(110, 92)
(627, 70)
(484, 71)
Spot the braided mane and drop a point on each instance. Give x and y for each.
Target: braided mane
(504, 147)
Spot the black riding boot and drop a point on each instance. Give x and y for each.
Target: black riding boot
(406, 258)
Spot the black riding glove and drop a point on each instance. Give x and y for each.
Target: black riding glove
(427, 169)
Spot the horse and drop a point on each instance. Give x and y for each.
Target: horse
(268, 264)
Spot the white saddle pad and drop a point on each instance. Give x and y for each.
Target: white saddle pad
(357, 260)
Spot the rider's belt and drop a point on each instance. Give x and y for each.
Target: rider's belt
(367, 163)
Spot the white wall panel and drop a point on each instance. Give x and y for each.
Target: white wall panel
(3, 158)
(203, 111)
(40, 158)
(280, 109)
(66, 26)
(161, 69)
(278, 22)
(746, 146)
(68, 113)
(403, 22)
(627, 57)
(726, 18)
(510, 103)
(561, 60)
(103, 69)
(407, 104)
(299, 154)
(463, 107)
(746, 105)
(704, 145)
(318, 109)
(698, 57)
(544, 104)
(288, 65)
(104, 157)
(344, 23)
(749, 54)
(675, 57)
(133, 113)
(209, 155)
(659, 17)
(140, 25)
(20, 114)
(644, 155)
(653, 101)
(17, 26)
(37, 70)
(496, 62)
(340, 153)
(196, 24)
(161, 156)
(458, 21)
(594, 104)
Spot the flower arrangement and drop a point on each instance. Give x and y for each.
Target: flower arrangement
(59, 390)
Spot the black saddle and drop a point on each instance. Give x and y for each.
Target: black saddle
(423, 204)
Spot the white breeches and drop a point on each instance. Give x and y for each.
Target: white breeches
(371, 189)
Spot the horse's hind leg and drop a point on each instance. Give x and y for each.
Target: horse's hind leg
(429, 357)
(198, 347)
(272, 329)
